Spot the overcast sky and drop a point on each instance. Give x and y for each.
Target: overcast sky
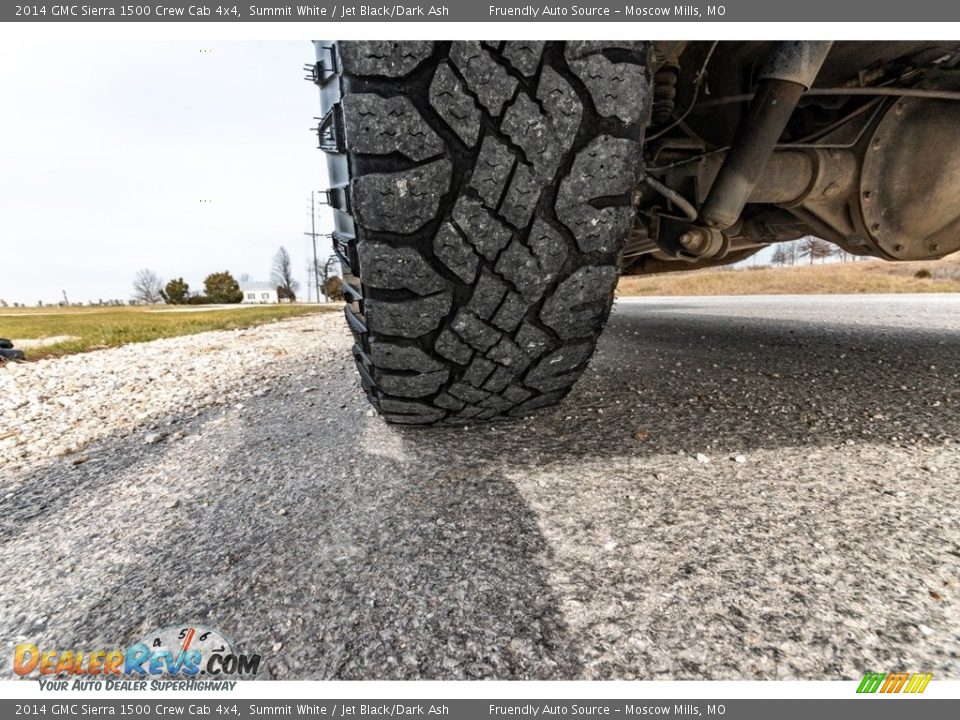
(107, 150)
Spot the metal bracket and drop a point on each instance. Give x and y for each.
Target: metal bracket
(336, 197)
(330, 131)
(341, 246)
(682, 240)
(324, 68)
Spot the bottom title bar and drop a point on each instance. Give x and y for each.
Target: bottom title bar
(876, 708)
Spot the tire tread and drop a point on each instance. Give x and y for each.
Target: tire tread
(489, 195)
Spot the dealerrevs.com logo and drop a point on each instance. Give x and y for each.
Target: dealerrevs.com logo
(182, 652)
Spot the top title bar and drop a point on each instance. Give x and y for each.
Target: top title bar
(480, 11)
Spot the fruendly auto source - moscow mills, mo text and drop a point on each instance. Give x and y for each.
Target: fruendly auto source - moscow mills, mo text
(573, 11)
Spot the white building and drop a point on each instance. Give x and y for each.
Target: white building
(259, 293)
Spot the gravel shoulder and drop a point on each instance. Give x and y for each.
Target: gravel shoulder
(736, 489)
(55, 407)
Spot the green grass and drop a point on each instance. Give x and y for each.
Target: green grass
(833, 278)
(97, 328)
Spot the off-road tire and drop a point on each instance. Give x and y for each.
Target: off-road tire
(481, 194)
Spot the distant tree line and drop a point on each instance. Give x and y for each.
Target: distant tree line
(91, 303)
(218, 288)
(807, 249)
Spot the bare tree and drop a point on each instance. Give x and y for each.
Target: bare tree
(815, 249)
(282, 275)
(327, 270)
(146, 287)
(825, 250)
(791, 250)
(779, 256)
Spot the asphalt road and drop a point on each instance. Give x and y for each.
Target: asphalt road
(738, 488)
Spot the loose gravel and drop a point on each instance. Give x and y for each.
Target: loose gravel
(736, 489)
(55, 407)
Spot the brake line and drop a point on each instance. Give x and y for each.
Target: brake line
(849, 91)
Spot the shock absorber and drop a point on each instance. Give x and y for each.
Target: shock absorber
(790, 70)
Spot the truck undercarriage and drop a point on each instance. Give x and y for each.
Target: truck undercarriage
(753, 143)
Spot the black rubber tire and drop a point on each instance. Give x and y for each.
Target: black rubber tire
(482, 192)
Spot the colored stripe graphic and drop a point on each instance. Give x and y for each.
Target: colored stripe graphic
(871, 682)
(918, 682)
(894, 682)
(888, 683)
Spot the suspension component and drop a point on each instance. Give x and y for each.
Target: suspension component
(698, 243)
(791, 69)
(664, 93)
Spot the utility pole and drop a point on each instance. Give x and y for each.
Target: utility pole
(309, 279)
(313, 238)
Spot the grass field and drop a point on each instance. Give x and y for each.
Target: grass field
(61, 331)
(84, 328)
(832, 278)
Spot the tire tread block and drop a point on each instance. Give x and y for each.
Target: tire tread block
(379, 126)
(486, 78)
(618, 89)
(383, 58)
(401, 202)
(451, 101)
